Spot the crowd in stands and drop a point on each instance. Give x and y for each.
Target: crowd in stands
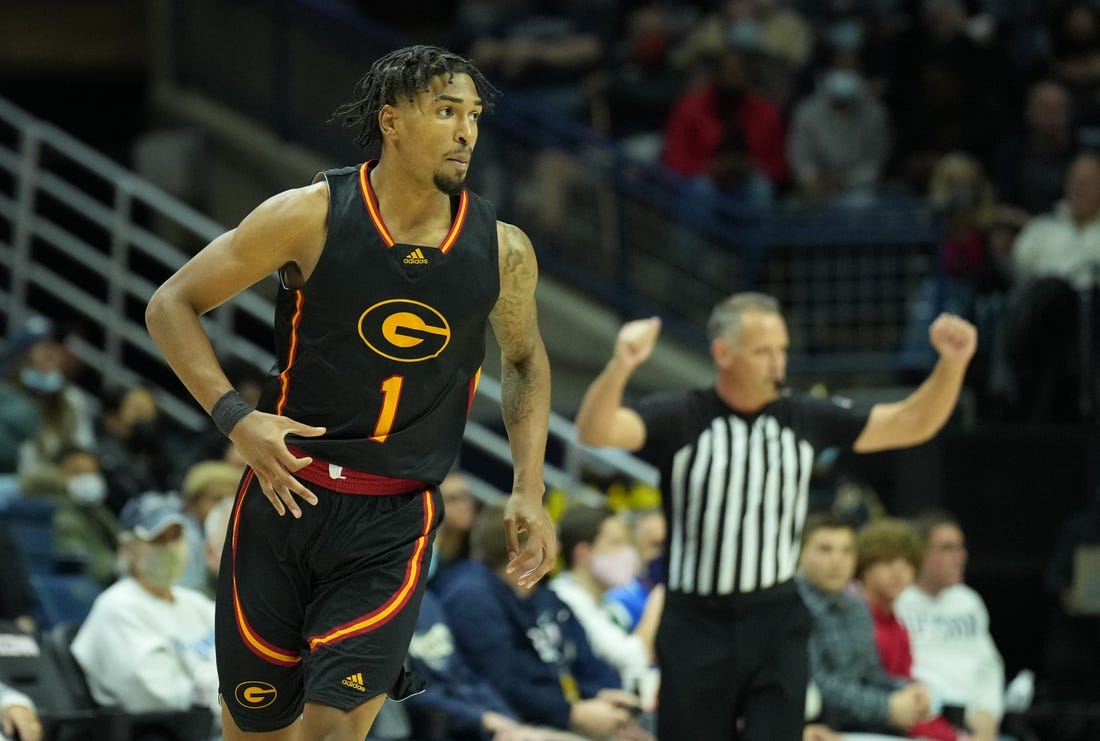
(981, 111)
(989, 111)
(900, 645)
(110, 503)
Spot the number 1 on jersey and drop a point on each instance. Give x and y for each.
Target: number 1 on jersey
(391, 393)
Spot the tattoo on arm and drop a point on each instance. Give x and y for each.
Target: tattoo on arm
(519, 387)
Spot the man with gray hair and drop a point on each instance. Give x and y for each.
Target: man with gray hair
(735, 464)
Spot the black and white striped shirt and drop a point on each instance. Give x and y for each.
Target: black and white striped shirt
(735, 486)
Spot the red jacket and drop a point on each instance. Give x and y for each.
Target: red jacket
(892, 640)
(694, 134)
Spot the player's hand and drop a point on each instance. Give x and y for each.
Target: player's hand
(535, 555)
(636, 340)
(954, 338)
(261, 441)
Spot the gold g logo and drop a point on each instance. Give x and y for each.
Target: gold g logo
(255, 695)
(404, 330)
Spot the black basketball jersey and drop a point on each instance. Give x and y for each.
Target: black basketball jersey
(384, 344)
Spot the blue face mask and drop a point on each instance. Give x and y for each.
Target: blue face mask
(43, 383)
(843, 86)
(844, 34)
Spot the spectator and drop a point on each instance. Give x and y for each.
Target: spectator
(458, 704)
(627, 603)
(148, 644)
(1075, 61)
(1056, 259)
(205, 484)
(540, 50)
(632, 98)
(857, 694)
(18, 718)
(768, 26)
(725, 137)
(528, 644)
(974, 261)
(840, 137)
(215, 527)
(889, 556)
(452, 539)
(1032, 163)
(960, 190)
(943, 99)
(132, 445)
(83, 527)
(1066, 243)
(953, 651)
(36, 374)
(598, 554)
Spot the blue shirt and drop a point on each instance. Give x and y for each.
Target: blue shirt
(531, 649)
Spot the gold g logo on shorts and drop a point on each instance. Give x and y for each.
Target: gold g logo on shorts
(255, 695)
(404, 330)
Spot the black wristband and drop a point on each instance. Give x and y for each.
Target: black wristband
(228, 410)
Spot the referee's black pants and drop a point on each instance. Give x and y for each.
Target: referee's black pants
(733, 668)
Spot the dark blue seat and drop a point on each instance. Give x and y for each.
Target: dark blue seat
(30, 522)
(62, 598)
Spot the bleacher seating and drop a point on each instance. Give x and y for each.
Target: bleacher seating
(30, 522)
(62, 598)
(75, 716)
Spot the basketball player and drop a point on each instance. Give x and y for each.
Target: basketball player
(390, 272)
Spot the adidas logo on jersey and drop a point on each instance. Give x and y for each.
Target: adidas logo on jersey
(355, 681)
(416, 257)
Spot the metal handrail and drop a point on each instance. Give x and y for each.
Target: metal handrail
(108, 258)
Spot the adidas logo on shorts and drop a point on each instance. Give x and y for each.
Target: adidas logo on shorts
(355, 681)
(416, 257)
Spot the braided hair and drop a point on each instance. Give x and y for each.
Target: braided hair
(404, 73)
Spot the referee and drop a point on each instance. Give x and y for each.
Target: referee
(735, 465)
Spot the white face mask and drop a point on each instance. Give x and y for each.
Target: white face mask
(617, 568)
(162, 565)
(88, 488)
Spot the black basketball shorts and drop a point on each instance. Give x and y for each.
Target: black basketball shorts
(320, 608)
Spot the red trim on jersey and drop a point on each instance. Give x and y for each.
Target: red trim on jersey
(256, 644)
(370, 200)
(473, 390)
(376, 619)
(292, 352)
(347, 481)
(456, 227)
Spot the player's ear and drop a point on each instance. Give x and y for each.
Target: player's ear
(387, 120)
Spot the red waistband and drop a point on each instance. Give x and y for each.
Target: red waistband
(347, 481)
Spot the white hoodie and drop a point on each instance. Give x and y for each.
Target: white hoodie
(953, 651)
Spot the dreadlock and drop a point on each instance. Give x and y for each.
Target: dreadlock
(404, 73)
